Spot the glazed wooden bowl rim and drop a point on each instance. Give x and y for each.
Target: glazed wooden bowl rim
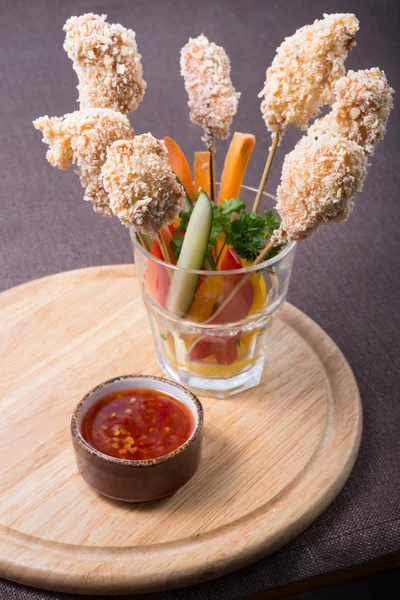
(131, 462)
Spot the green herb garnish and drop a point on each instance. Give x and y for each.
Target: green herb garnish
(245, 232)
(247, 235)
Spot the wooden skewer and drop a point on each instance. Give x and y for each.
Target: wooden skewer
(264, 177)
(163, 247)
(213, 187)
(142, 241)
(263, 252)
(239, 286)
(211, 148)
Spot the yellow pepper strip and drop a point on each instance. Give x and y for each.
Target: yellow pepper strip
(259, 298)
(260, 293)
(208, 293)
(212, 369)
(259, 289)
(218, 248)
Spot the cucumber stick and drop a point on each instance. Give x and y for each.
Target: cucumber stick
(183, 285)
(188, 204)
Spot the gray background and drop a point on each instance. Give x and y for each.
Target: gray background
(346, 278)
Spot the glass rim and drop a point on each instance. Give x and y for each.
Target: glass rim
(243, 270)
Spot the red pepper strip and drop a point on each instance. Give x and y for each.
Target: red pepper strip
(241, 304)
(223, 348)
(157, 277)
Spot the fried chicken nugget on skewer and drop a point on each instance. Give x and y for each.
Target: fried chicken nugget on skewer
(106, 60)
(319, 181)
(81, 138)
(361, 110)
(141, 185)
(326, 169)
(301, 77)
(213, 101)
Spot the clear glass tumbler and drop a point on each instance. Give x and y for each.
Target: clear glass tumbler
(215, 353)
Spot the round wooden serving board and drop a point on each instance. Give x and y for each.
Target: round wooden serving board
(273, 457)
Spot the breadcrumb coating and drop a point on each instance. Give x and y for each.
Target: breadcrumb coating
(142, 187)
(106, 60)
(213, 101)
(319, 181)
(361, 110)
(81, 138)
(326, 125)
(301, 77)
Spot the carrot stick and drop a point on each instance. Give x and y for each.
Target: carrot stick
(179, 165)
(202, 174)
(236, 160)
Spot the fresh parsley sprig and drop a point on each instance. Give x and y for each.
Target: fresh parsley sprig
(245, 232)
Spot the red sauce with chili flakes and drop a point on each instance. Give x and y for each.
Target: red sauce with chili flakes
(137, 424)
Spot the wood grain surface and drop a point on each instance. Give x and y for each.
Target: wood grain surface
(273, 457)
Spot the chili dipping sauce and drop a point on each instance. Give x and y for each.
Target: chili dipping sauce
(137, 424)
